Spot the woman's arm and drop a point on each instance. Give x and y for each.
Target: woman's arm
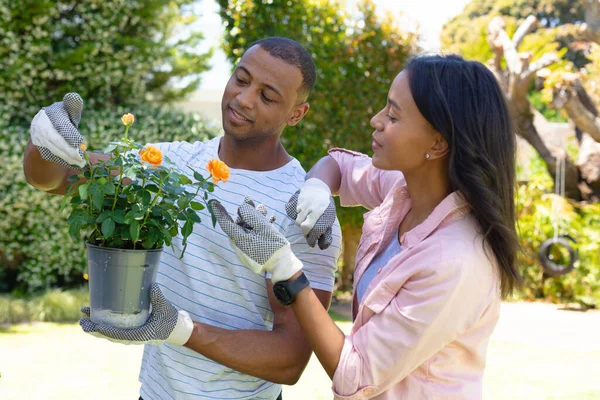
(327, 340)
(327, 170)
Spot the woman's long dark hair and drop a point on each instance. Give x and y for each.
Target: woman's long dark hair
(463, 101)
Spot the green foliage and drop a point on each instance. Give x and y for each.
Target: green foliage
(357, 57)
(132, 201)
(50, 306)
(538, 211)
(551, 114)
(35, 248)
(109, 51)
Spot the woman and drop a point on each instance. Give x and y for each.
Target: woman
(438, 246)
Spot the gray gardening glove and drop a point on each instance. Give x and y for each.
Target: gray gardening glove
(54, 131)
(166, 324)
(258, 243)
(313, 209)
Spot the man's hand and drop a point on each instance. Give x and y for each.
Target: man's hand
(313, 209)
(165, 325)
(258, 244)
(54, 132)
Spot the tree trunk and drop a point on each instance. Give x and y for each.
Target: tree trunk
(592, 21)
(529, 132)
(516, 80)
(351, 237)
(588, 163)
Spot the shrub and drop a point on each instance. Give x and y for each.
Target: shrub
(537, 210)
(54, 305)
(110, 52)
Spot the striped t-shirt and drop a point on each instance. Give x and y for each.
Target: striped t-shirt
(215, 288)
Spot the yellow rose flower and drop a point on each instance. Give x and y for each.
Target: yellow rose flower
(218, 169)
(128, 119)
(83, 147)
(152, 155)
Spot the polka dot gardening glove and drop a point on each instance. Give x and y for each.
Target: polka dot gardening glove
(313, 209)
(54, 132)
(258, 243)
(166, 324)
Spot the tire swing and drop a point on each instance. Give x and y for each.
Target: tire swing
(549, 266)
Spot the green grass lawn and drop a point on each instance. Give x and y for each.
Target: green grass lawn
(537, 352)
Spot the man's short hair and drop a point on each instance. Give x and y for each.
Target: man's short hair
(294, 54)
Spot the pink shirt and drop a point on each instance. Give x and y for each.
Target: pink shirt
(424, 325)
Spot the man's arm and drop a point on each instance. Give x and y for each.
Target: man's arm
(277, 356)
(49, 176)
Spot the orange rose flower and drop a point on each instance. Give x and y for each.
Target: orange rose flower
(152, 155)
(128, 119)
(218, 169)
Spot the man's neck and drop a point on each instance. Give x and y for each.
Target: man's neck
(264, 155)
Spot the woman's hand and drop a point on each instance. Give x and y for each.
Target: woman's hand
(258, 244)
(313, 209)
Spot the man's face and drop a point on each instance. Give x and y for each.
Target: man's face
(261, 97)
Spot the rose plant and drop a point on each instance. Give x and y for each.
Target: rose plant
(137, 198)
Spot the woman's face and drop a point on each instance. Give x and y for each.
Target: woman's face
(402, 136)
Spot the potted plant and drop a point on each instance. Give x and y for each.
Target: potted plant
(127, 208)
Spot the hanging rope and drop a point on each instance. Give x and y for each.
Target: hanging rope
(559, 239)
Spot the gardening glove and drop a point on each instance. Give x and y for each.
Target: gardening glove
(54, 132)
(257, 242)
(313, 209)
(165, 325)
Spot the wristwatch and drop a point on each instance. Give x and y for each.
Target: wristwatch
(286, 292)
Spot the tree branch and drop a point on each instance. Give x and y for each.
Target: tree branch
(498, 38)
(542, 62)
(526, 27)
(581, 116)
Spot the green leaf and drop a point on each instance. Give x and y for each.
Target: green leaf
(130, 172)
(184, 180)
(74, 231)
(108, 227)
(97, 200)
(187, 229)
(197, 206)
(103, 216)
(109, 188)
(214, 219)
(134, 230)
(192, 215)
(118, 216)
(198, 177)
(83, 190)
(144, 197)
(73, 178)
(183, 202)
(111, 146)
(151, 188)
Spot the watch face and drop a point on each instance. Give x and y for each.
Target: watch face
(281, 294)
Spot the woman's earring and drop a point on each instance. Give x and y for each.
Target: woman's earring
(427, 156)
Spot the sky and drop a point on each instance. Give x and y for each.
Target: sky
(429, 15)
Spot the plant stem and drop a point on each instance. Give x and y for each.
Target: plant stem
(118, 186)
(150, 209)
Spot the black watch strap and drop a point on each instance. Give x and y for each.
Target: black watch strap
(286, 292)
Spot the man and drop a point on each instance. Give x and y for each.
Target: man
(243, 343)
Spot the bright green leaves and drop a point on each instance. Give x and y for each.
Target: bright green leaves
(125, 203)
